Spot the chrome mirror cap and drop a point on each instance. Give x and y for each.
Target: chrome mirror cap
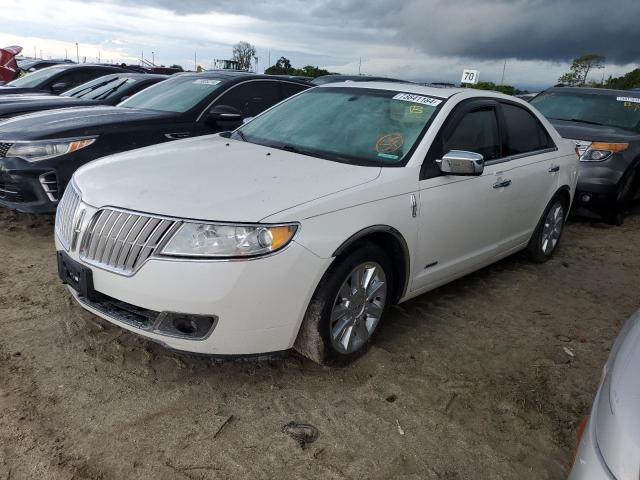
(459, 162)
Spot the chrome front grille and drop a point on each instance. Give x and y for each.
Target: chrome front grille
(4, 148)
(122, 241)
(65, 215)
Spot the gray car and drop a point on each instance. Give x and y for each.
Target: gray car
(605, 126)
(609, 446)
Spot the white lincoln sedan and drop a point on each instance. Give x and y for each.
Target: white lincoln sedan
(302, 227)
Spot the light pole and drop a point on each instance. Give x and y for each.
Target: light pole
(77, 53)
(153, 57)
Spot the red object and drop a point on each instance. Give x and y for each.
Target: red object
(8, 64)
(579, 434)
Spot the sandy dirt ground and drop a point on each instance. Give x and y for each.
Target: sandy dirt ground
(470, 381)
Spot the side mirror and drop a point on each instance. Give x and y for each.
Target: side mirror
(59, 87)
(458, 162)
(224, 114)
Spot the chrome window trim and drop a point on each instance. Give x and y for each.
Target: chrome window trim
(520, 155)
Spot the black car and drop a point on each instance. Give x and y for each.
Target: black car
(40, 151)
(352, 78)
(605, 127)
(107, 90)
(29, 65)
(58, 78)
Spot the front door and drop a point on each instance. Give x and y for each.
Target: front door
(460, 217)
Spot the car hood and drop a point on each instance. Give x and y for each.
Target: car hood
(617, 412)
(593, 133)
(214, 178)
(35, 103)
(75, 121)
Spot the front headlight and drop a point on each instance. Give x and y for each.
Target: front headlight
(44, 149)
(227, 241)
(599, 151)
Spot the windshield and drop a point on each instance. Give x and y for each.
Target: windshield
(177, 94)
(352, 125)
(100, 88)
(36, 78)
(609, 110)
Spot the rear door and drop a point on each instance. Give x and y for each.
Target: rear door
(532, 165)
(460, 218)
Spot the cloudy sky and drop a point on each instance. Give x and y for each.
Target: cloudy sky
(427, 40)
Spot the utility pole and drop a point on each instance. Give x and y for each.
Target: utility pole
(257, 60)
(359, 65)
(153, 57)
(98, 56)
(195, 62)
(77, 53)
(65, 54)
(504, 67)
(269, 58)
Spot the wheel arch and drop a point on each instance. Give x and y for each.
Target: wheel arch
(565, 193)
(393, 243)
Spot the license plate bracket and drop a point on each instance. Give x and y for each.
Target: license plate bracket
(77, 276)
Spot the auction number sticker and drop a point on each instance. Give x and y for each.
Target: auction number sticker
(409, 97)
(205, 81)
(628, 99)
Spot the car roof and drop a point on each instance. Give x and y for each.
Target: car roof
(396, 86)
(237, 75)
(590, 91)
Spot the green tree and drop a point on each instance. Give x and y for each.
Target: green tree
(625, 82)
(506, 89)
(281, 67)
(580, 68)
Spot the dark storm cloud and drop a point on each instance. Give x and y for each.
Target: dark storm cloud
(482, 29)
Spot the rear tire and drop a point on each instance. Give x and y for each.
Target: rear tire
(546, 237)
(347, 307)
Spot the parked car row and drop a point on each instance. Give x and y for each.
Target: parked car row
(304, 211)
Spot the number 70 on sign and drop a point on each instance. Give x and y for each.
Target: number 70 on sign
(470, 76)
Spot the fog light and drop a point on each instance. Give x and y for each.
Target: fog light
(586, 198)
(183, 325)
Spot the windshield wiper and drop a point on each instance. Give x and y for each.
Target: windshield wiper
(585, 121)
(241, 135)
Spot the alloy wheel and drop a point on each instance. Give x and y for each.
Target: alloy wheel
(358, 307)
(553, 224)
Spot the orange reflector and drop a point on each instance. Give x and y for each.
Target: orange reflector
(611, 147)
(281, 235)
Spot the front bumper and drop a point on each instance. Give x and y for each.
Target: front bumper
(597, 187)
(259, 304)
(22, 186)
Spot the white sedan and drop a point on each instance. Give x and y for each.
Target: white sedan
(302, 227)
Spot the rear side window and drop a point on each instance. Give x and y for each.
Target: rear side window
(289, 89)
(477, 132)
(252, 98)
(524, 132)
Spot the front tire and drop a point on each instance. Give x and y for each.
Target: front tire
(347, 307)
(546, 237)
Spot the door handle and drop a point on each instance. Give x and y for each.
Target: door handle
(554, 168)
(502, 183)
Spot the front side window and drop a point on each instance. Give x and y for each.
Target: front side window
(597, 109)
(252, 98)
(352, 125)
(524, 132)
(37, 78)
(477, 132)
(177, 94)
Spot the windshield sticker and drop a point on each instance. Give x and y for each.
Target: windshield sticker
(628, 99)
(408, 97)
(390, 143)
(206, 81)
(389, 156)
